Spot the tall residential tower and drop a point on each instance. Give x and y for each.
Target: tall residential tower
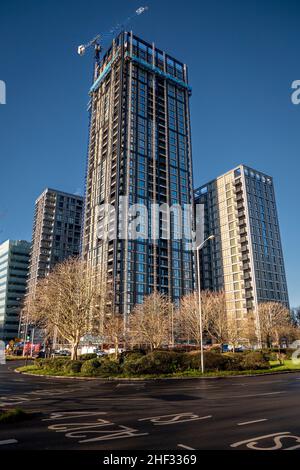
(246, 258)
(140, 149)
(56, 232)
(14, 262)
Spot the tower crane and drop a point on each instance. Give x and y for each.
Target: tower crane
(103, 36)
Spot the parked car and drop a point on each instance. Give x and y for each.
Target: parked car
(62, 352)
(100, 353)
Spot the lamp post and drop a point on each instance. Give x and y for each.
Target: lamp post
(198, 248)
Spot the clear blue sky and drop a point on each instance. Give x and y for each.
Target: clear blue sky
(242, 57)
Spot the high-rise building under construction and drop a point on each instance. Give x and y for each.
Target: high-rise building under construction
(139, 152)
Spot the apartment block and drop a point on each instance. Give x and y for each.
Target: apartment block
(245, 259)
(56, 232)
(14, 264)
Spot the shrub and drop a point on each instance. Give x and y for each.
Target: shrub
(109, 367)
(87, 357)
(91, 367)
(212, 360)
(40, 363)
(251, 360)
(233, 361)
(254, 360)
(73, 366)
(270, 355)
(131, 356)
(55, 364)
(157, 362)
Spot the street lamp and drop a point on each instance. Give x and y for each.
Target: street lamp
(198, 248)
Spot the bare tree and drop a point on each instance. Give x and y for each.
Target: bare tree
(149, 322)
(237, 331)
(189, 316)
(69, 301)
(252, 333)
(114, 331)
(215, 306)
(275, 322)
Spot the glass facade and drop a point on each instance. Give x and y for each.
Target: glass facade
(139, 147)
(14, 262)
(246, 258)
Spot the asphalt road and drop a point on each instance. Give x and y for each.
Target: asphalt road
(233, 413)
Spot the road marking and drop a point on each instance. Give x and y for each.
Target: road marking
(266, 436)
(252, 422)
(106, 431)
(66, 427)
(72, 414)
(8, 441)
(122, 432)
(175, 418)
(277, 438)
(256, 395)
(119, 399)
(185, 447)
(134, 384)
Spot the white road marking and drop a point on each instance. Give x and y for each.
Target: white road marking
(134, 384)
(256, 395)
(119, 399)
(252, 422)
(72, 414)
(8, 441)
(175, 418)
(122, 432)
(66, 427)
(276, 437)
(185, 447)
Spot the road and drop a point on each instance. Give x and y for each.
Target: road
(228, 413)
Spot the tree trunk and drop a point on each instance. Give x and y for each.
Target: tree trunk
(116, 347)
(74, 351)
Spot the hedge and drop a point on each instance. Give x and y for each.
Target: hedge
(73, 366)
(87, 356)
(91, 367)
(55, 364)
(156, 362)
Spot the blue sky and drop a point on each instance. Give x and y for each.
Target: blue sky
(242, 56)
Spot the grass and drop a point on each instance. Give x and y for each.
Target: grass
(288, 365)
(15, 358)
(275, 367)
(12, 416)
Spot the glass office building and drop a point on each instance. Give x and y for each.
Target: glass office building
(14, 262)
(140, 149)
(245, 259)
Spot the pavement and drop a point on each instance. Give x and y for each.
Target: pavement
(240, 413)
